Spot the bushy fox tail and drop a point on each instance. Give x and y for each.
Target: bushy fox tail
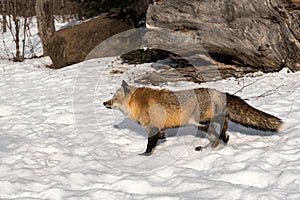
(241, 112)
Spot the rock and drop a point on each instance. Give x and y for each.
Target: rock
(72, 44)
(262, 34)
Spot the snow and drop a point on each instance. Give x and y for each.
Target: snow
(57, 141)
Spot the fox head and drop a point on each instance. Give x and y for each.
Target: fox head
(120, 99)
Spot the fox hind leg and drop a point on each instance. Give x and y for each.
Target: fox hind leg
(213, 135)
(224, 136)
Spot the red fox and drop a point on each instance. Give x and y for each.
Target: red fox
(204, 108)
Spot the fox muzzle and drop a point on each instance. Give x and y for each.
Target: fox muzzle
(107, 104)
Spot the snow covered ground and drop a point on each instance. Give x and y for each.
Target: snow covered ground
(57, 141)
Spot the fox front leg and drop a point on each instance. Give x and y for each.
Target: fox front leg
(153, 137)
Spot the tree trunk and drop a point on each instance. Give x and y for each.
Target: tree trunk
(264, 34)
(17, 32)
(79, 3)
(45, 21)
(62, 10)
(3, 16)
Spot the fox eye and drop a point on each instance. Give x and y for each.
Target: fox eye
(111, 93)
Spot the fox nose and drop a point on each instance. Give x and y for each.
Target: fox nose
(107, 104)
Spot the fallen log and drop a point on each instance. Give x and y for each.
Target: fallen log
(263, 34)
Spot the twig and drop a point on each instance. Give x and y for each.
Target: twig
(244, 86)
(267, 93)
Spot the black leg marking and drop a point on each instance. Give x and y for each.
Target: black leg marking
(198, 148)
(203, 128)
(154, 135)
(224, 137)
(152, 141)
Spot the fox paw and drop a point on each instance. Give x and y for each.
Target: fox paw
(162, 135)
(145, 154)
(199, 148)
(224, 138)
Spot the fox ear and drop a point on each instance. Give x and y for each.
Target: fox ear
(124, 83)
(125, 88)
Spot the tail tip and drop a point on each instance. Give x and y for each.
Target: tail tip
(282, 127)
